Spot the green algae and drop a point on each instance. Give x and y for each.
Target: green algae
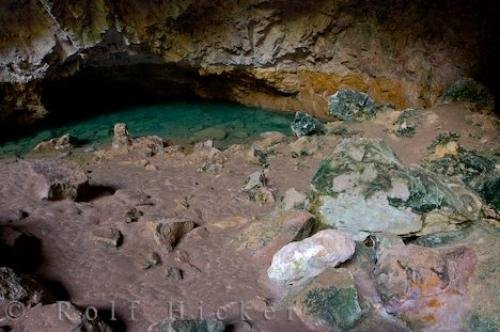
(180, 122)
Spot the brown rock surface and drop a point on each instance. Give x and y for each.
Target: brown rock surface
(295, 54)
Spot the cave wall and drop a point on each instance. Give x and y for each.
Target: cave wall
(283, 55)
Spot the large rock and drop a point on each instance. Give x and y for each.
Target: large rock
(55, 181)
(299, 261)
(426, 287)
(351, 105)
(363, 188)
(331, 298)
(305, 125)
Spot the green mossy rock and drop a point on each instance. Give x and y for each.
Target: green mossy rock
(351, 105)
(305, 125)
(476, 170)
(332, 298)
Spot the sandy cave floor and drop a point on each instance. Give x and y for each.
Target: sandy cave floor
(90, 274)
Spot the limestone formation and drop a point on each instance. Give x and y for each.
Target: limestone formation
(299, 261)
(121, 139)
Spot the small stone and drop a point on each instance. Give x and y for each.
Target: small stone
(149, 260)
(293, 199)
(149, 146)
(174, 273)
(302, 260)
(168, 232)
(261, 149)
(305, 125)
(150, 167)
(55, 144)
(255, 180)
(121, 138)
(109, 236)
(133, 197)
(133, 215)
(263, 196)
(407, 122)
(255, 187)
